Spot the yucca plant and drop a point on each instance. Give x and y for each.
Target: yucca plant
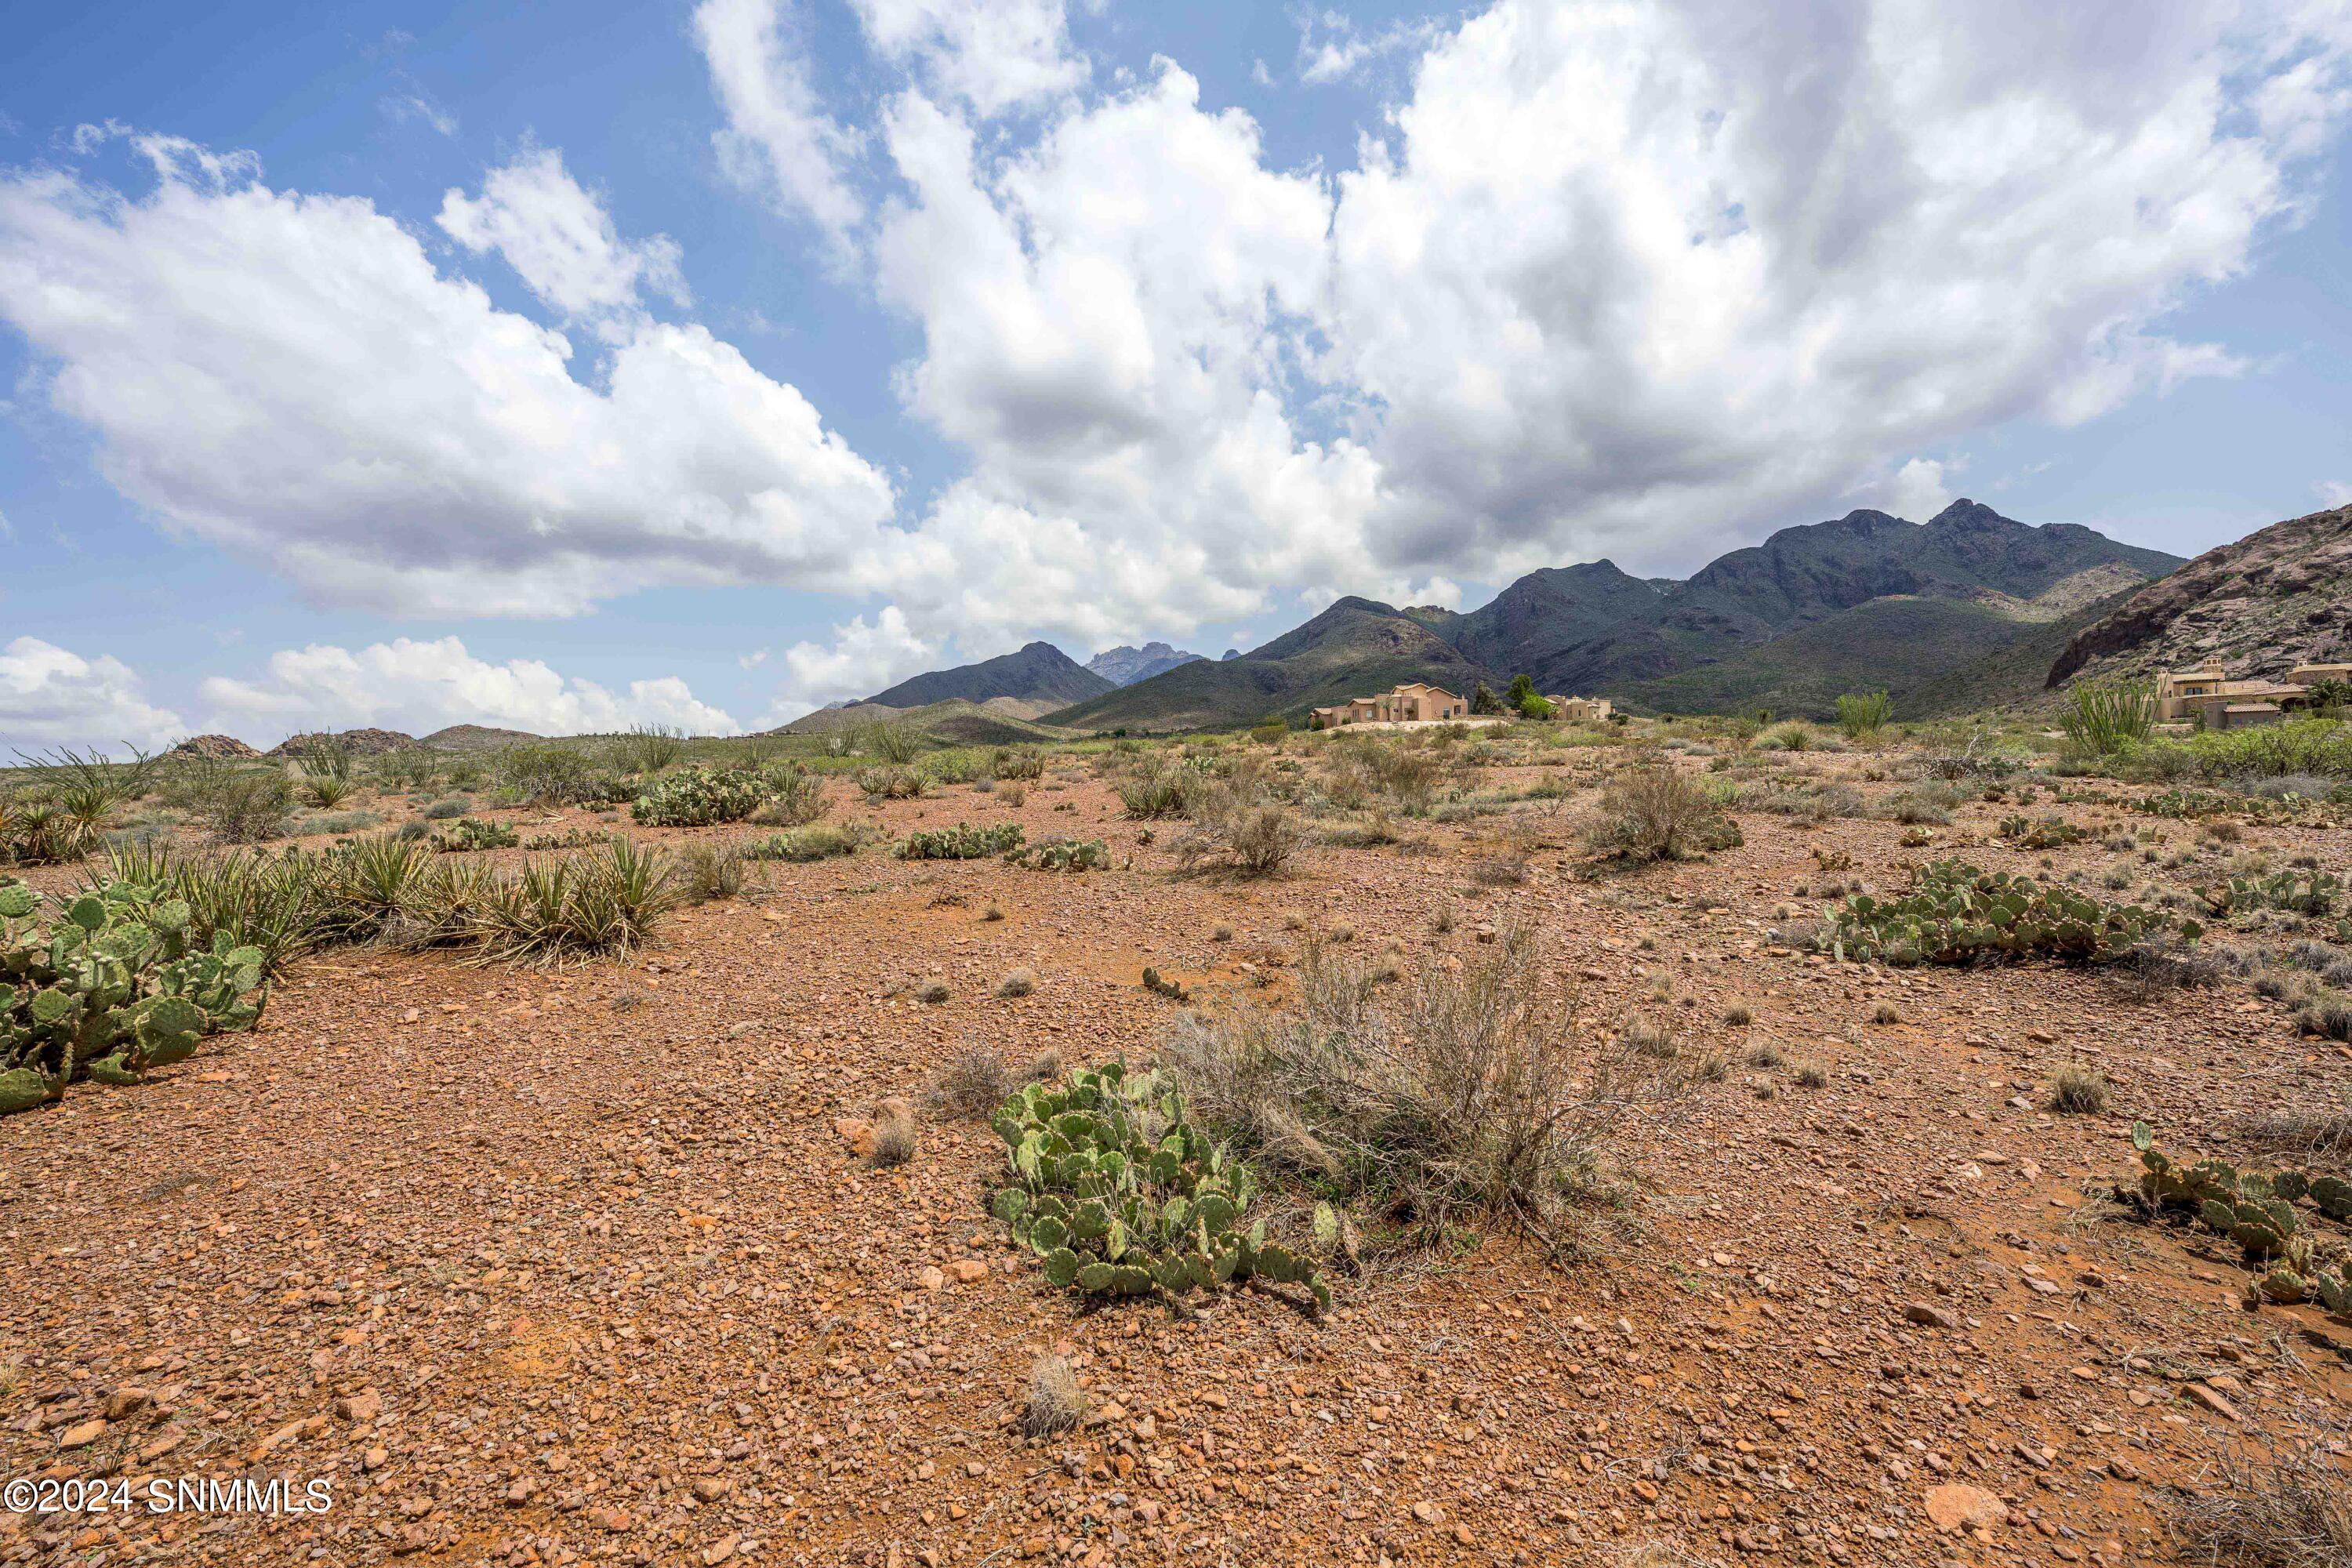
(2104, 717)
(1864, 713)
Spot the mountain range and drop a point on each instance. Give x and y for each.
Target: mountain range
(1968, 607)
(1126, 666)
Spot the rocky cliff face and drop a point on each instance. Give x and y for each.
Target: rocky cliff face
(2272, 600)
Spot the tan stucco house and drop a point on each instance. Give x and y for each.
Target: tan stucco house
(1413, 702)
(2206, 696)
(1581, 710)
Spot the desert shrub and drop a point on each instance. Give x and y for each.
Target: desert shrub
(820, 841)
(1017, 983)
(1956, 913)
(342, 824)
(1860, 714)
(955, 766)
(888, 783)
(1272, 732)
(2287, 1506)
(469, 834)
(1165, 789)
(962, 842)
(708, 872)
(2104, 717)
(108, 983)
(648, 748)
(795, 796)
(446, 809)
(2318, 747)
(1250, 832)
(1654, 814)
(699, 797)
(2078, 1090)
(1119, 1192)
(247, 806)
(36, 832)
(889, 740)
(1795, 735)
(1473, 1094)
(1055, 1403)
(970, 1084)
(1017, 763)
(543, 773)
(1360, 767)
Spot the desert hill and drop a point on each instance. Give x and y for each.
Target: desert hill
(2275, 599)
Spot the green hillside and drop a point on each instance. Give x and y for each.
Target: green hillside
(1888, 644)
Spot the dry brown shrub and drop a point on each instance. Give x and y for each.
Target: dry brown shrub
(2289, 1509)
(1654, 813)
(1473, 1093)
(1056, 1403)
(971, 1084)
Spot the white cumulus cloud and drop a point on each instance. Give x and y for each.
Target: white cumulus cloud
(561, 240)
(993, 54)
(419, 687)
(864, 657)
(50, 696)
(289, 376)
(778, 140)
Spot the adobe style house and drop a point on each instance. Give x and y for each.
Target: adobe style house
(1412, 703)
(2206, 696)
(1580, 710)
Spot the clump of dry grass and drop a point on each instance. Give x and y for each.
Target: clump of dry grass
(1019, 983)
(708, 872)
(1886, 1012)
(970, 1084)
(1739, 1015)
(1055, 1403)
(1813, 1075)
(1655, 814)
(1646, 1036)
(895, 1134)
(2313, 1134)
(1471, 1093)
(2079, 1090)
(2291, 1509)
(933, 991)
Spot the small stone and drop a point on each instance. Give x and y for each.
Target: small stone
(83, 1433)
(1932, 1316)
(127, 1401)
(364, 1406)
(2210, 1400)
(609, 1518)
(1426, 1512)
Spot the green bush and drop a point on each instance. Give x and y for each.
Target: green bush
(112, 983)
(1956, 913)
(962, 842)
(246, 805)
(1018, 763)
(543, 773)
(649, 748)
(891, 783)
(1167, 789)
(2321, 747)
(1119, 1195)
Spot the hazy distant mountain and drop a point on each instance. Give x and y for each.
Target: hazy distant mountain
(1039, 671)
(1125, 665)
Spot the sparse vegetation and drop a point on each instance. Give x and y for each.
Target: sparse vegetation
(1654, 814)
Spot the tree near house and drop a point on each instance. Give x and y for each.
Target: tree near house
(1522, 687)
(1483, 700)
(2329, 699)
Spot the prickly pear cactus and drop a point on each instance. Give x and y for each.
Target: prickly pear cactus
(1957, 913)
(1119, 1195)
(108, 986)
(2297, 1255)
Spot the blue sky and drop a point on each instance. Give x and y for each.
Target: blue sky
(1101, 325)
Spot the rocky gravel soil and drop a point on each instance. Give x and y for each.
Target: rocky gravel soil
(538, 1266)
